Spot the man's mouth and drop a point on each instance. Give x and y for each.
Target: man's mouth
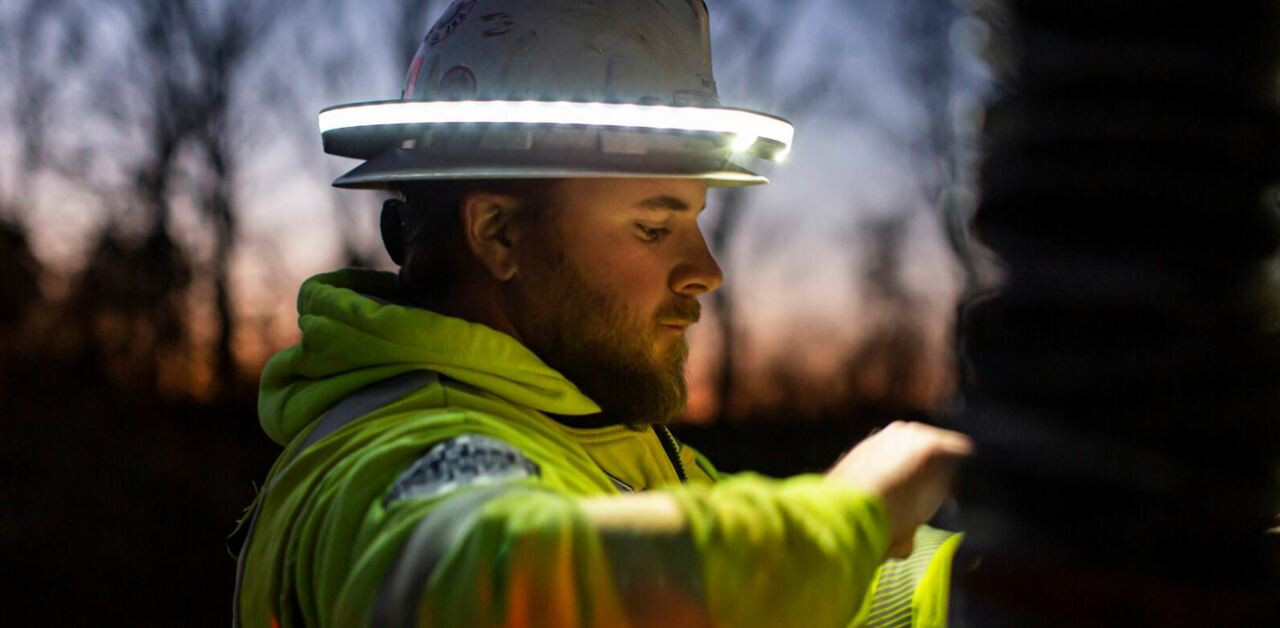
(680, 313)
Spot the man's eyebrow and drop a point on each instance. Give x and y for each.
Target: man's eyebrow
(663, 202)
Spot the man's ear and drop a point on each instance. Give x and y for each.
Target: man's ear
(488, 222)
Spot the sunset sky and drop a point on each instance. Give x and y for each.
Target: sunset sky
(794, 267)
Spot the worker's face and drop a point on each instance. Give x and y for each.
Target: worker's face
(608, 285)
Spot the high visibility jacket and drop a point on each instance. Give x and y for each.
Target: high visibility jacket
(458, 500)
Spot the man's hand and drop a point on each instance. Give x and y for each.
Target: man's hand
(909, 466)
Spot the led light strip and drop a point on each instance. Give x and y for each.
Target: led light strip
(735, 122)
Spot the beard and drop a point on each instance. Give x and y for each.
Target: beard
(611, 355)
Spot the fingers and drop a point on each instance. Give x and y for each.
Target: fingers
(909, 466)
(938, 441)
(953, 443)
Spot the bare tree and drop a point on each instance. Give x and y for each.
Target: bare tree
(20, 281)
(889, 368)
(157, 114)
(933, 74)
(760, 35)
(401, 27)
(26, 40)
(224, 39)
(39, 38)
(918, 41)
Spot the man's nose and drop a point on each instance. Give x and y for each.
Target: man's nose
(697, 273)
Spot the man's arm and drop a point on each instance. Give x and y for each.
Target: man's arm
(747, 551)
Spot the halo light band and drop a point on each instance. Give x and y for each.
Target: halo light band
(736, 122)
(742, 142)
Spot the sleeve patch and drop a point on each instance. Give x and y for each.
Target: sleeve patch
(461, 461)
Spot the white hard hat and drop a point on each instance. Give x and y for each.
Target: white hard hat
(557, 88)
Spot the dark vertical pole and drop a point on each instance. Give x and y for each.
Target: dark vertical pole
(1123, 387)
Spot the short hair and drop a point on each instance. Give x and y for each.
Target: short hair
(431, 238)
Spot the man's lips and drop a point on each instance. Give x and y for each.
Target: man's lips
(679, 315)
(673, 330)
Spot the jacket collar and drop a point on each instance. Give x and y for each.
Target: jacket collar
(354, 333)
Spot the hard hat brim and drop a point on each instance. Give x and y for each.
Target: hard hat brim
(405, 165)
(362, 130)
(425, 140)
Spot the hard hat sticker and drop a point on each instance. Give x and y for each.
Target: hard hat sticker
(411, 78)
(457, 84)
(497, 24)
(465, 460)
(449, 22)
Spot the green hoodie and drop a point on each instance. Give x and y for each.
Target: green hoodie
(346, 531)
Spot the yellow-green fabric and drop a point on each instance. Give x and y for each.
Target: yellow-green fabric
(759, 552)
(913, 591)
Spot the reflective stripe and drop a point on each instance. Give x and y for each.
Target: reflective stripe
(406, 581)
(618, 484)
(240, 560)
(365, 401)
(354, 406)
(657, 575)
(891, 603)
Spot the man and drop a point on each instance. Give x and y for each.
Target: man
(481, 439)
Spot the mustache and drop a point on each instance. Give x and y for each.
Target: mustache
(684, 310)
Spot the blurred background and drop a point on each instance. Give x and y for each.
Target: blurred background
(163, 193)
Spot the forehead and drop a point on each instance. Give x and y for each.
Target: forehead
(630, 194)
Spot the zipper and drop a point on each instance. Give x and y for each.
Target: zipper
(672, 448)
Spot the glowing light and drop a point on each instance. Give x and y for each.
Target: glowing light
(740, 143)
(741, 124)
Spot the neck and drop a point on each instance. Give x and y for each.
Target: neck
(476, 304)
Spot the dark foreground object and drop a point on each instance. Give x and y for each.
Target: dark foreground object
(1123, 387)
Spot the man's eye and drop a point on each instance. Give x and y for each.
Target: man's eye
(652, 234)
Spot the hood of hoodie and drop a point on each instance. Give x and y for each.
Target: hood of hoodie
(353, 334)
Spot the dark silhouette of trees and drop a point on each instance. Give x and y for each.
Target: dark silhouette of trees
(915, 37)
(338, 59)
(931, 71)
(20, 280)
(23, 46)
(129, 112)
(892, 367)
(197, 53)
(757, 36)
(127, 313)
(158, 125)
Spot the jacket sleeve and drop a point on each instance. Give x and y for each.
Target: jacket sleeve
(801, 551)
(751, 552)
(913, 591)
